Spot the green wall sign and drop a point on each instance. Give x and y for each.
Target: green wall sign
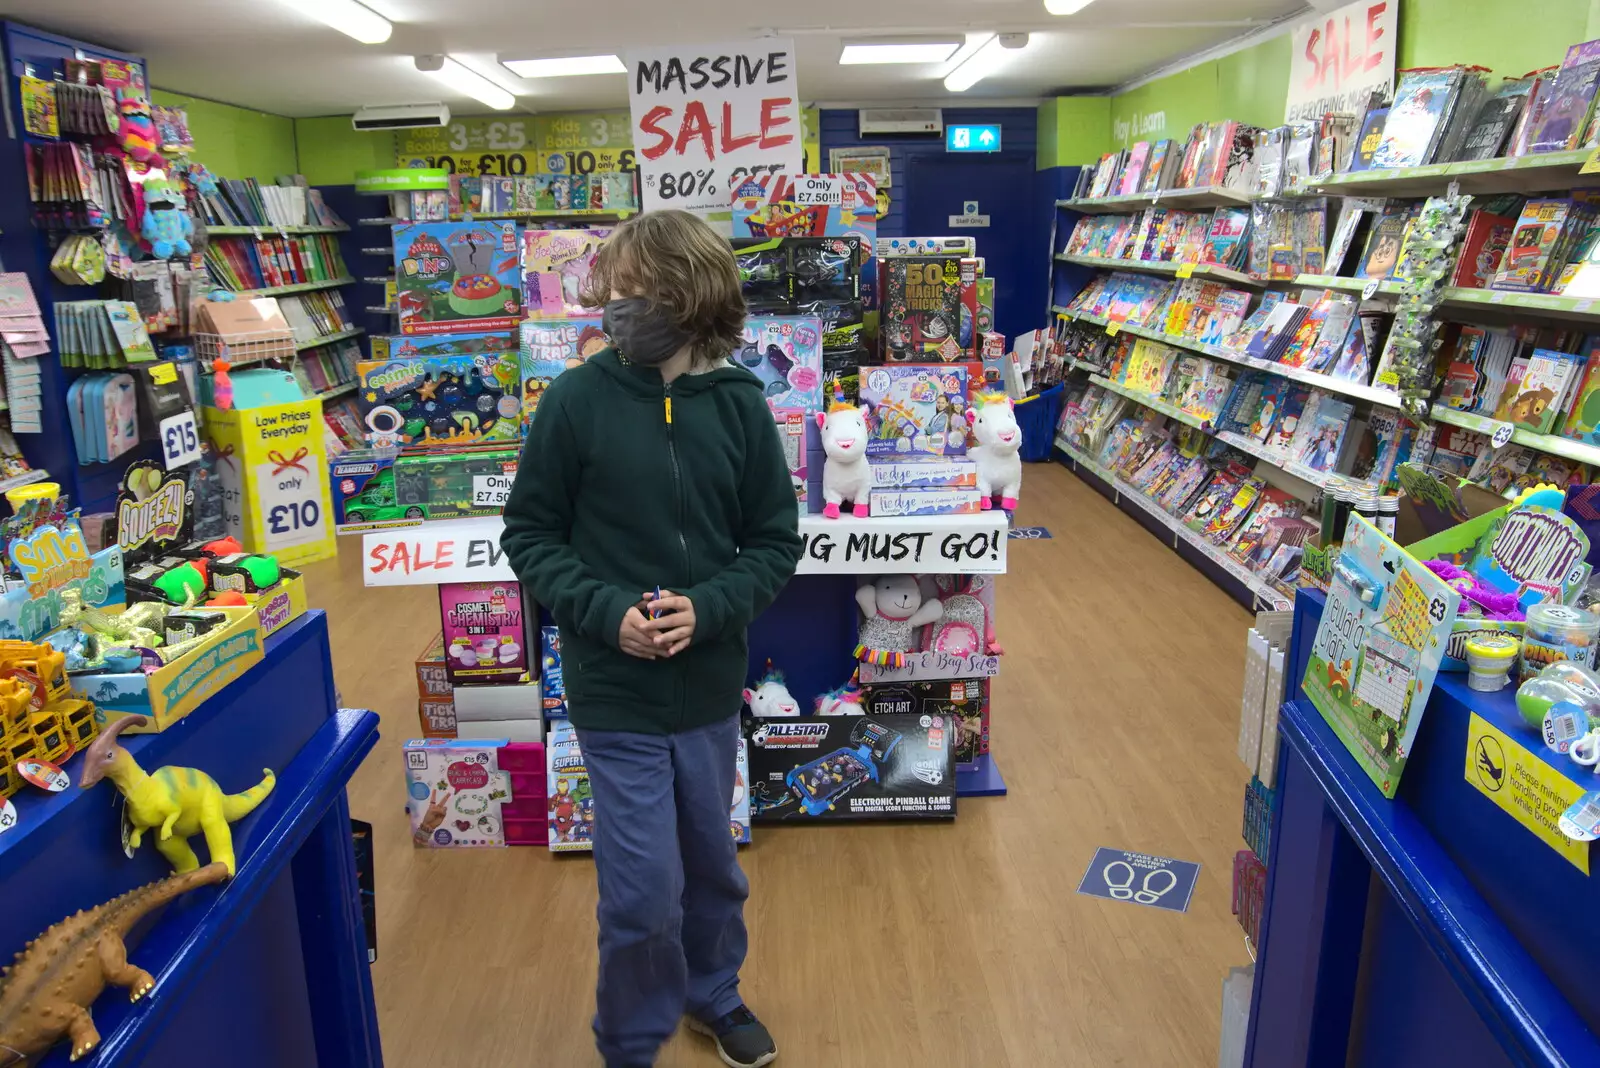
(402, 180)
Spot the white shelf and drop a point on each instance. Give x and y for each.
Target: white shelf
(1167, 267)
(1263, 592)
(1553, 444)
(1212, 196)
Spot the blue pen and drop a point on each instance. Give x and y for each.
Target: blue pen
(654, 614)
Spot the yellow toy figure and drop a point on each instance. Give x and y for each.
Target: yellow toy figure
(182, 802)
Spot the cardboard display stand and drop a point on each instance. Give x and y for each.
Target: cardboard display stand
(274, 474)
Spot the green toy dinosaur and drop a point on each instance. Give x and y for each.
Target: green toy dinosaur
(182, 802)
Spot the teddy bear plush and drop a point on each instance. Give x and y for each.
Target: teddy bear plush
(893, 608)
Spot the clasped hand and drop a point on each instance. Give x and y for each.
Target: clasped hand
(666, 635)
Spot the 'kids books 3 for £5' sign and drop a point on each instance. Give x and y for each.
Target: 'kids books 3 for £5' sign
(706, 118)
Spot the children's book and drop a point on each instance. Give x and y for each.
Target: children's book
(1463, 378)
(1561, 121)
(1365, 338)
(1528, 256)
(1583, 420)
(1133, 173)
(1287, 425)
(1160, 152)
(1215, 497)
(1533, 399)
(1325, 436)
(1222, 525)
(1370, 137)
(1256, 320)
(1387, 237)
(1274, 503)
(1482, 249)
(1456, 450)
(1223, 318)
(1298, 350)
(1186, 483)
(1338, 319)
(1269, 342)
(1416, 120)
(1273, 397)
(1149, 366)
(1494, 123)
(1225, 239)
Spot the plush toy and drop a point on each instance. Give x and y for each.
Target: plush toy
(964, 627)
(845, 474)
(180, 801)
(166, 224)
(893, 608)
(993, 419)
(136, 131)
(771, 697)
(845, 701)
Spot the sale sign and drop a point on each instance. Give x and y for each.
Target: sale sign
(706, 118)
(1338, 58)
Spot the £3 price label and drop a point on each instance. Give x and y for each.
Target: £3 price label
(180, 440)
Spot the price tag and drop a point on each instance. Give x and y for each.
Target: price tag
(126, 823)
(1370, 290)
(491, 491)
(1113, 329)
(44, 775)
(1592, 164)
(163, 374)
(1502, 434)
(289, 499)
(180, 439)
(8, 815)
(1185, 270)
(810, 189)
(1581, 820)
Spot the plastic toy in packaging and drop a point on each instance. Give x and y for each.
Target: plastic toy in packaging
(786, 354)
(916, 409)
(457, 277)
(451, 400)
(555, 265)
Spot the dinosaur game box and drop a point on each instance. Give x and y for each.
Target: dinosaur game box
(461, 277)
(853, 767)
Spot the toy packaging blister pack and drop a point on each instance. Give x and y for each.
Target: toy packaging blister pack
(550, 681)
(814, 205)
(930, 309)
(483, 633)
(852, 767)
(570, 800)
(454, 790)
(362, 484)
(457, 277)
(551, 346)
(555, 264)
(786, 354)
(915, 409)
(793, 426)
(739, 813)
(820, 278)
(451, 400)
(965, 701)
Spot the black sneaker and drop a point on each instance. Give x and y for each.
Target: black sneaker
(742, 1041)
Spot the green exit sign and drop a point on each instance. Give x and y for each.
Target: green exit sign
(972, 138)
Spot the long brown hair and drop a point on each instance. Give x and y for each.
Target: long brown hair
(678, 263)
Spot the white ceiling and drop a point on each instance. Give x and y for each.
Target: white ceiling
(264, 55)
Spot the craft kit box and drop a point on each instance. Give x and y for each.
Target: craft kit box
(930, 309)
(928, 473)
(457, 277)
(547, 347)
(785, 353)
(446, 400)
(484, 640)
(571, 801)
(852, 768)
(909, 502)
(555, 264)
(433, 680)
(966, 701)
(454, 793)
(915, 410)
(273, 466)
(554, 691)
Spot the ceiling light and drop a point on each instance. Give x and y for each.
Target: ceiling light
(346, 16)
(988, 58)
(468, 82)
(1066, 7)
(899, 50)
(563, 68)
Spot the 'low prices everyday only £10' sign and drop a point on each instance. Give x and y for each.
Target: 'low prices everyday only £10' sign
(705, 118)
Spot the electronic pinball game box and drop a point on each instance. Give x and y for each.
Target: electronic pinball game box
(853, 767)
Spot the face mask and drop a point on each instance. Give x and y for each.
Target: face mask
(645, 335)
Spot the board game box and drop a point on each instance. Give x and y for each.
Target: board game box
(915, 409)
(457, 277)
(930, 309)
(447, 400)
(853, 768)
(551, 346)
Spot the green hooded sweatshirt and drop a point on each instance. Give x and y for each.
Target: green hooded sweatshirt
(627, 483)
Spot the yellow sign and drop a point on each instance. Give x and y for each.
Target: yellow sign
(1531, 791)
(1113, 329)
(1185, 270)
(540, 144)
(273, 470)
(1592, 164)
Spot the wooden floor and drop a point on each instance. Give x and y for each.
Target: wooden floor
(939, 945)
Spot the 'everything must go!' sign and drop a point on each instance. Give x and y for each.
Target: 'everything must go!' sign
(1340, 57)
(708, 117)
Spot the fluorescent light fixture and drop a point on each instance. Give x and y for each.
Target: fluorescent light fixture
(563, 68)
(466, 81)
(988, 58)
(899, 50)
(346, 16)
(1066, 7)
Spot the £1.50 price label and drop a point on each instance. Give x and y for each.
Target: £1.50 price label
(180, 440)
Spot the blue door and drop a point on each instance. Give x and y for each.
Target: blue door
(1015, 246)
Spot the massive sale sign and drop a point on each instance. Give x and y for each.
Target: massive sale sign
(1338, 58)
(708, 117)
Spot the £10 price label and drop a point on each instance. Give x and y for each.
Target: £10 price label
(290, 500)
(180, 440)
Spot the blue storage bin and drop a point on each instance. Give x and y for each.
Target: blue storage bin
(1037, 416)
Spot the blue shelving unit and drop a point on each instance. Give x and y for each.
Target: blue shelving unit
(268, 970)
(1432, 929)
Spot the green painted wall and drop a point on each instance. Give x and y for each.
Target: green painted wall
(1073, 130)
(235, 142)
(1510, 37)
(331, 152)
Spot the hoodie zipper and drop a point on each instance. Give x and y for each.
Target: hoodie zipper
(679, 692)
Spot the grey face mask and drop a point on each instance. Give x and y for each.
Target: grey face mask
(645, 335)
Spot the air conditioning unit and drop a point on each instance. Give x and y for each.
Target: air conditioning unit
(901, 121)
(401, 117)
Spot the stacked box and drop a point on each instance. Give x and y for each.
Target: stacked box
(524, 815)
(554, 689)
(436, 708)
(965, 701)
(570, 799)
(483, 635)
(454, 793)
(852, 768)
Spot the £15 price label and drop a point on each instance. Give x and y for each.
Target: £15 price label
(180, 440)
(491, 491)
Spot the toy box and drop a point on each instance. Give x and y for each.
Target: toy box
(433, 681)
(464, 482)
(553, 689)
(814, 205)
(793, 428)
(924, 473)
(463, 277)
(170, 693)
(786, 354)
(441, 346)
(965, 701)
(739, 813)
(551, 346)
(362, 485)
(56, 567)
(447, 400)
(524, 814)
(484, 640)
(915, 409)
(852, 767)
(908, 502)
(504, 703)
(571, 801)
(454, 793)
(555, 264)
(437, 716)
(281, 603)
(930, 309)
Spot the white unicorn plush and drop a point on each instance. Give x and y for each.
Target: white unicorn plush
(845, 474)
(993, 419)
(771, 696)
(844, 701)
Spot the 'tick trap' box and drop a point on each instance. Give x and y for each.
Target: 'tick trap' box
(853, 767)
